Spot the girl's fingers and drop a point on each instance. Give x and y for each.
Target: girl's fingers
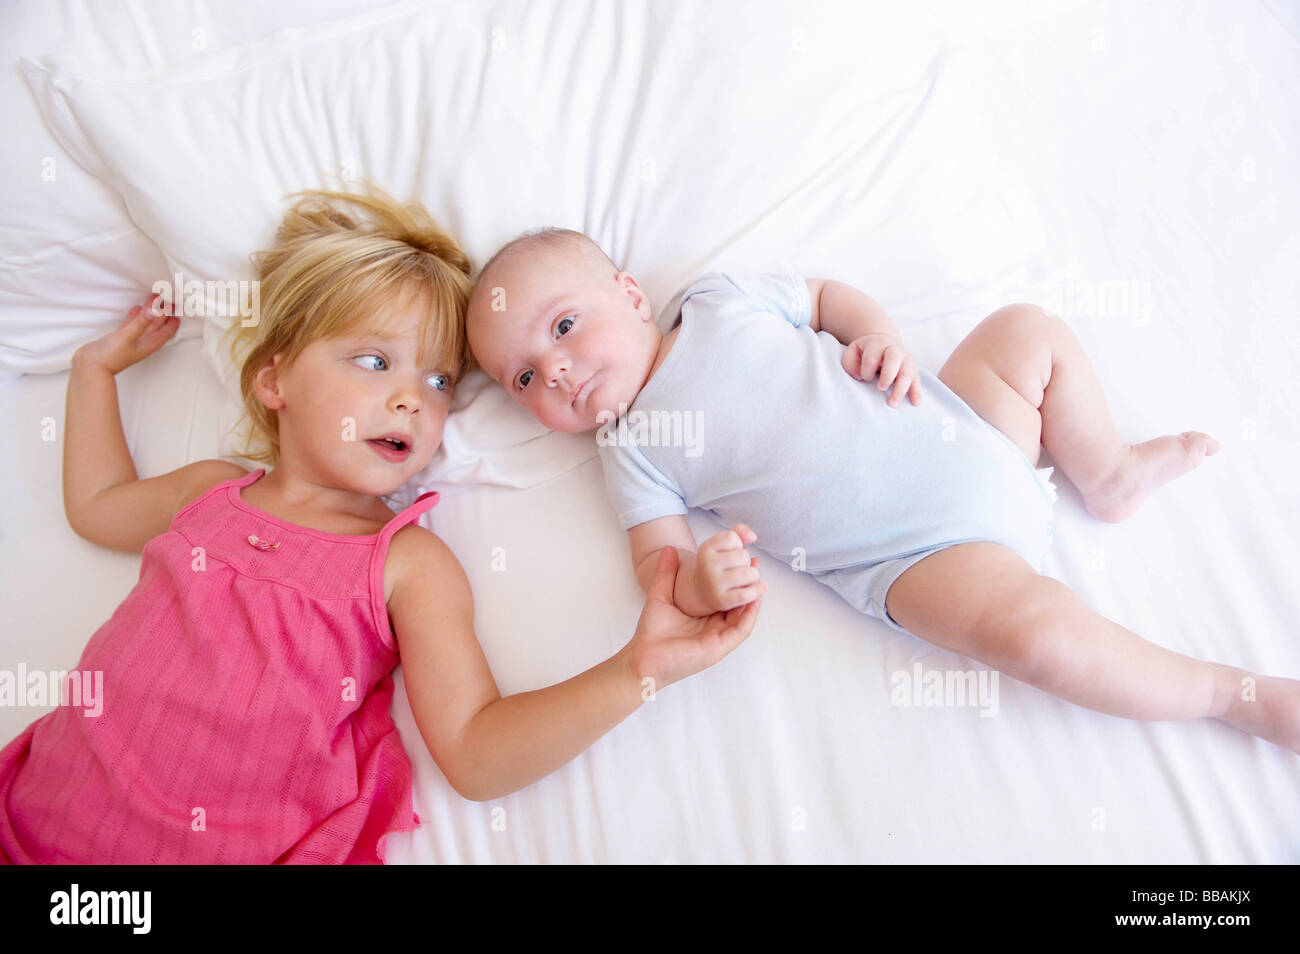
(739, 623)
(153, 308)
(145, 324)
(132, 328)
(158, 335)
(661, 586)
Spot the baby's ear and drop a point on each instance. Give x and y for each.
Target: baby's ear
(639, 298)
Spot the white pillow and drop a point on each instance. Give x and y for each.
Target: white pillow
(71, 260)
(680, 136)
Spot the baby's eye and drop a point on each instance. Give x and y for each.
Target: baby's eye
(525, 378)
(372, 357)
(441, 382)
(563, 327)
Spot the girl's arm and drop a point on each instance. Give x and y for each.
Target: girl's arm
(488, 746)
(103, 498)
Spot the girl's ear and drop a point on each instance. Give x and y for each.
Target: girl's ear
(267, 384)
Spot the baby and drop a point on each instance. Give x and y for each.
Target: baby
(777, 404)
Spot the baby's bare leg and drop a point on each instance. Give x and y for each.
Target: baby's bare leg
(1024, 371)
(982, 600)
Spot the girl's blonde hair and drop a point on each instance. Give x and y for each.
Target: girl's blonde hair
(330, 273)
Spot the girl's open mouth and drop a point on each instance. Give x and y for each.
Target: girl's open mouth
(391, 449)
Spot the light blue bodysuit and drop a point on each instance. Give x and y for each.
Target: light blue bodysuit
(753, 418)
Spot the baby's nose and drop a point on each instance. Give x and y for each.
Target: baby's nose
(555, 371)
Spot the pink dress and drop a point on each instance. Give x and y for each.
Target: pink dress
(247, 680)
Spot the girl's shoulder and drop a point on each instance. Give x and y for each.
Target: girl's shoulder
(417, 557)
(202, 475)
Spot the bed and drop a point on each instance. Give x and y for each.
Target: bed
(1130, 167)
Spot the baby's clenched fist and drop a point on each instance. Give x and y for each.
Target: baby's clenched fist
(725, 576)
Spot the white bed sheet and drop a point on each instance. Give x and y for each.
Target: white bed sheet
(1147, 155)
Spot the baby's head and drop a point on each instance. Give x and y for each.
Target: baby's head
(562, 329)
(359, 335)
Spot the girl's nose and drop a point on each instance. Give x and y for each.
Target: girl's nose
(405, 398)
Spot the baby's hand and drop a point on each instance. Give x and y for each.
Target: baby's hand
(725, 576)
(670, 645)
(144, 330)
(884, 353)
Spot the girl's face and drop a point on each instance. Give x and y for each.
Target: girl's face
(340, 399)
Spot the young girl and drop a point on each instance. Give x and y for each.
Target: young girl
(246, 679)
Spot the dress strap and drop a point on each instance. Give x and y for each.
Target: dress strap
(426, 501)
(379, 607)
(220, 488)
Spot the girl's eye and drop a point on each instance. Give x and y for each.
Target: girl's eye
(372, 357)
(563, 327)
(525, 378)
(439, 381)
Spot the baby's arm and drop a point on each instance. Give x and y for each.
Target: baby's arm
(719, 576)
(488, 746)
(873, 342)
(103, 498)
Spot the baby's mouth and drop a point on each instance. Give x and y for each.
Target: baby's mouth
(580, 390)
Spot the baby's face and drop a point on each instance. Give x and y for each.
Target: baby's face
(566, 340)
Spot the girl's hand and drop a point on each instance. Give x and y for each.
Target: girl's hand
(669, 645)
(145, 329)
(885, 354)
(725, 576)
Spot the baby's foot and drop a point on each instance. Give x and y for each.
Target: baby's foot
(1266, 706)
(1146, 467)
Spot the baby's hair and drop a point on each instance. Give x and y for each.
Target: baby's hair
(329, 273)
(566, 240)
